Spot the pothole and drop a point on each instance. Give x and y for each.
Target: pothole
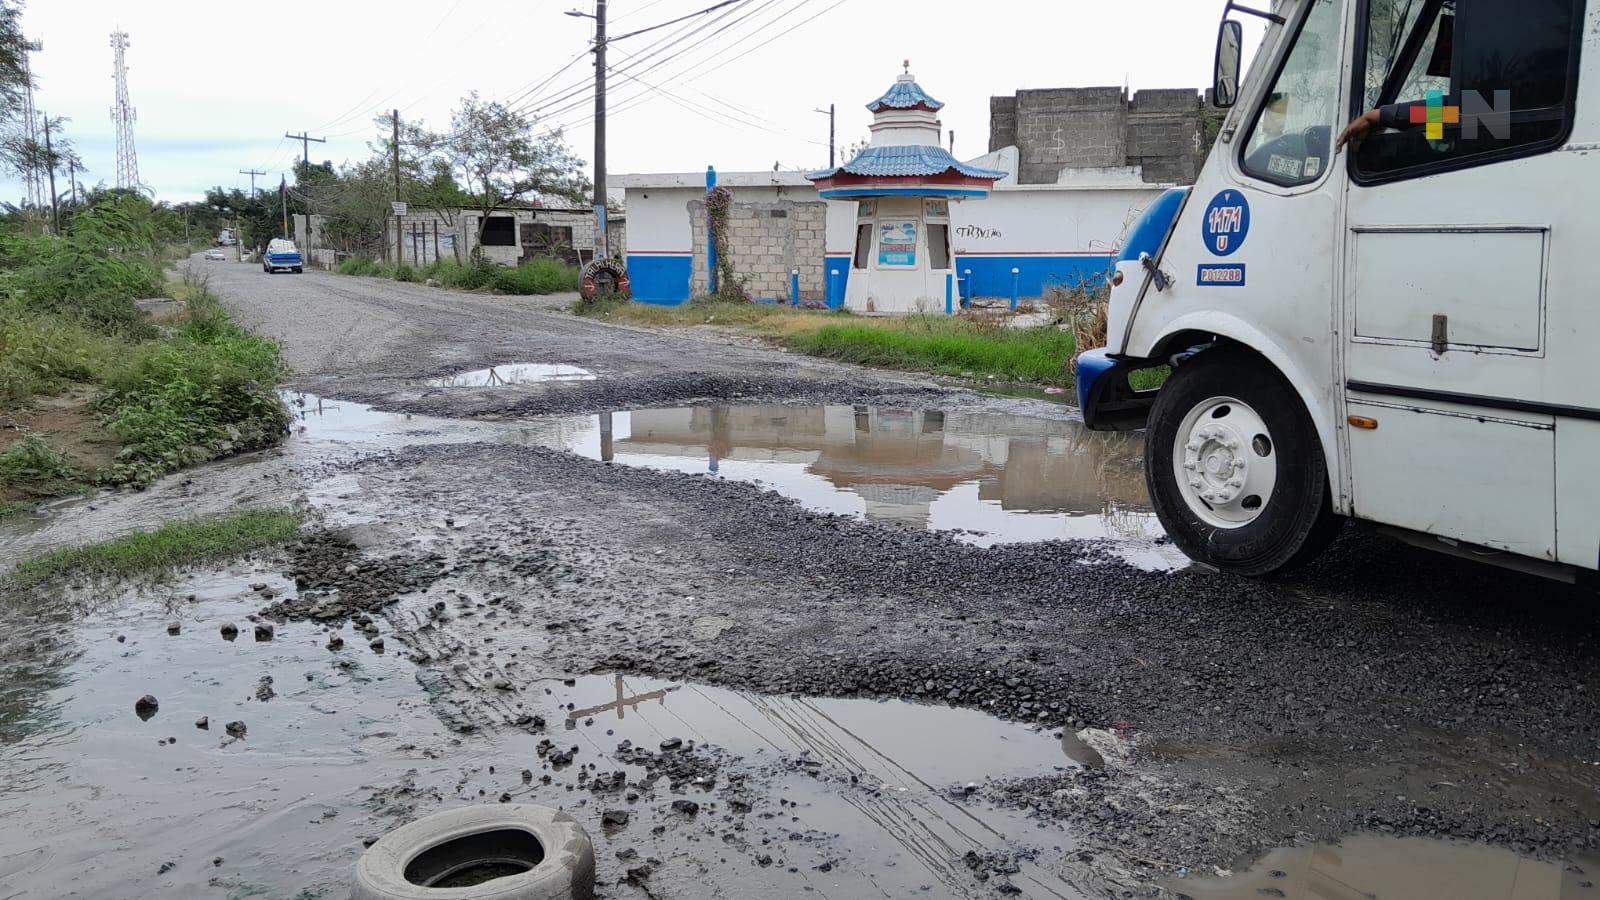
(513, 374)
(986, 478)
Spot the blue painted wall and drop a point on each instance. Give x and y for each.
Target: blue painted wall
(991, 275)
(660, 279)
(665, 280)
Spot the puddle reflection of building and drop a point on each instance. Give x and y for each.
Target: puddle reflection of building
(900, 461)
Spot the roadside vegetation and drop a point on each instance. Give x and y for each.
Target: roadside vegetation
(979, 346)
(153, 553)
(92, 392)
(536, 276)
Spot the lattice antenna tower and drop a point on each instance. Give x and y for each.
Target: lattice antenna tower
(124, 115)
(33, 180)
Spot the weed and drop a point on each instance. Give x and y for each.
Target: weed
(162, 550)
(38, 468)
(536, 276)
(12, 508)
(40, 354)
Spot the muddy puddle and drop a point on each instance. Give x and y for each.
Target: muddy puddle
(986, 478)
(1383, 868)
(513, 374)
(845, 798)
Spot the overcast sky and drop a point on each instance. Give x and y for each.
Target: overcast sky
(217, 85)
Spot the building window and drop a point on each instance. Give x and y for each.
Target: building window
(938, 245)
(863, 245)
(500, 231)
(1291, 139)
(1499, 79)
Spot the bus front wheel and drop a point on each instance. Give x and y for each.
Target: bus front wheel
(1234, 466)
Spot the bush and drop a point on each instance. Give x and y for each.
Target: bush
(209, 391)
(537, 276)
(38, 467)
(469, 276)
(406, 274)
(356, 265)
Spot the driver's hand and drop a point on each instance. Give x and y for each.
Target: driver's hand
(1357, 131)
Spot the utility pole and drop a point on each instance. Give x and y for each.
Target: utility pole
(399, 253)
(252, 173)
(600, 251)
(50, 161)
(832, 160)
(305, 144)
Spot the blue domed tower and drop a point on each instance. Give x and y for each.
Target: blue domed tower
(903, 184)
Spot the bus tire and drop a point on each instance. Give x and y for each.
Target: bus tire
(1234, 466)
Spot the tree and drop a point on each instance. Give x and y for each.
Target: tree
(499, 158)
(13, 60)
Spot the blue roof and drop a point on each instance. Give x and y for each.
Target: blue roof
(906, 162)
(904, 95)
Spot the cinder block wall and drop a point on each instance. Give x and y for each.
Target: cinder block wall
(768, 240)
(1058, 128)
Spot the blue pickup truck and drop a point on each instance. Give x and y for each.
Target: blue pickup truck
(281, 254)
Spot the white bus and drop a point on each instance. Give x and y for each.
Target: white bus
(1396, 332)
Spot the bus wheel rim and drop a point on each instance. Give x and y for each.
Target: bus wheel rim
(1225, 460)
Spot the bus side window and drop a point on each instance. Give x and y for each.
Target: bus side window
(1497, 75)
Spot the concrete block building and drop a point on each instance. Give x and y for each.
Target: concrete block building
(1160, 132)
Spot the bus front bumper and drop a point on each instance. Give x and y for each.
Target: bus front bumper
(1106, 399)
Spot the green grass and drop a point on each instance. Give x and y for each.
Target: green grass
(10, 508)
(162, 550)
(947, 347)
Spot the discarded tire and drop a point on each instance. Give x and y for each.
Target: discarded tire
(604, 276)
(501, 852)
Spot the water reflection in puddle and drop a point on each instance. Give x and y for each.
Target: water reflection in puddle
(95, 802)
(988, 478)
(1382, 868)
(519, 373)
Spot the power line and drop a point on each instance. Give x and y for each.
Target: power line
(638, 99)
(634, 68)
(677, 20)
(564, 98)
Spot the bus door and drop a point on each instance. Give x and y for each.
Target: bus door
(1446, 296)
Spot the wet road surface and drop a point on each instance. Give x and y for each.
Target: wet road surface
(916, 641)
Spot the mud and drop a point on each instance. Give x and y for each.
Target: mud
(1063, 723)
(1389, 869)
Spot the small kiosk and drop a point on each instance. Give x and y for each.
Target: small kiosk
(903, 184)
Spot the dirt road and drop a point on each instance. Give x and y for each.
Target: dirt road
(547, 531)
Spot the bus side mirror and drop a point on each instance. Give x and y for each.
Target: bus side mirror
(1225, 70)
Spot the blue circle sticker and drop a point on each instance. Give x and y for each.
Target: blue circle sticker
(1226, 223)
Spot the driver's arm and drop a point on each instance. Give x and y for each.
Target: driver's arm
(1394, 115)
